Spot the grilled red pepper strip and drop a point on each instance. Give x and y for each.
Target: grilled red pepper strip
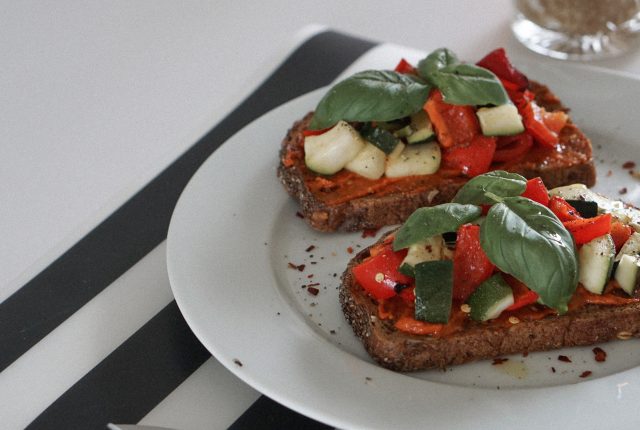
(472, 159)
(534, 124)
(511, 148)
(536, 191)
(405, 67)
(379, 275)
(586, 229)
(522, 296)
(308, 132)
(455, 125)
(620, 233)
(533, 118)
(497, 62)
(471, 266)
(563, 210)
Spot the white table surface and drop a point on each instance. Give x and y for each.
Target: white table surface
(96, 98)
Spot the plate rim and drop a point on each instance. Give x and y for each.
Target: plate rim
(239, 371)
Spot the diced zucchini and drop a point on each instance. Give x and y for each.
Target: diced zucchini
(383, 139)
(595, 259)
(490, 298)
(329, 152)
(370, 162)
(427, 250)
(503, 120)
(404, 131)
(422, 129)
(585, 208)
(631, 247)
(417, 159)
(628, 273)
(620, 211)
(572, 192)
(434, 291)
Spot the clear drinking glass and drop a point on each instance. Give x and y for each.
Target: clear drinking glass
(577, 29)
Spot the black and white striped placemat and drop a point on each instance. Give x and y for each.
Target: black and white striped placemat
(154, 360)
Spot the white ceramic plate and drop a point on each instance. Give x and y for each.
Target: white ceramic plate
(235, 231)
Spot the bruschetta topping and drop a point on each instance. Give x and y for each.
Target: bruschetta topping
(531, 255)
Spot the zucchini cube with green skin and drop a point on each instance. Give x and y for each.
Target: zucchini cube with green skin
(434, 291)
(428, 250)
(503, 120)
(490, 298)
(596, 263)
(369, 162)
(630, 247)
(329, 152)
(628, 273)
(416, 159)
(421, 128)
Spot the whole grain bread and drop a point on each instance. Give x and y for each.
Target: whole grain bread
(572, 164)
(402, 351)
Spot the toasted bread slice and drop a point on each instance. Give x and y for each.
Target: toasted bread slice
(398, 350)
(325, 209)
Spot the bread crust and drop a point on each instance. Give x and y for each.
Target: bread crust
(402, 351)
(371, 212)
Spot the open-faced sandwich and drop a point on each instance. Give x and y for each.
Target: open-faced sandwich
(505, 268)
(381, 144)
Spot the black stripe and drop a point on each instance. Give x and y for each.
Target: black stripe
(141, 223)
(131, 381)
(157, 358)
(265, 414)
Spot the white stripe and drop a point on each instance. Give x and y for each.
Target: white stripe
(53, 365)
(211, 398)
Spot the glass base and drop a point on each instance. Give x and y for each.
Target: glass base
(558, 45)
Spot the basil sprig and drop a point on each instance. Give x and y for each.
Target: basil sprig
(525, 239)
(498, 183)
(430, 221)
(460, 83)
(377, 95)
(372, 95)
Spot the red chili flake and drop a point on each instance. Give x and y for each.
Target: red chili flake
(313, 291)
(369, 232)
(629, 165)
(525, 354)
(299, 215)
(315, 284)
(622, 190)
(310, 276)
(350, 250)
(299, 267)
(499, 360)
(609, 173)
(600, 354)
(586, 374)
(553, 369)
(564, 358)
(310, 248)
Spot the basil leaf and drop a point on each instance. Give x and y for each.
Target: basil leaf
(525, 239)
(429, 221)
(372, 95)
(379, 137)
(466, 84)
(438, 59)
(497, 182)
